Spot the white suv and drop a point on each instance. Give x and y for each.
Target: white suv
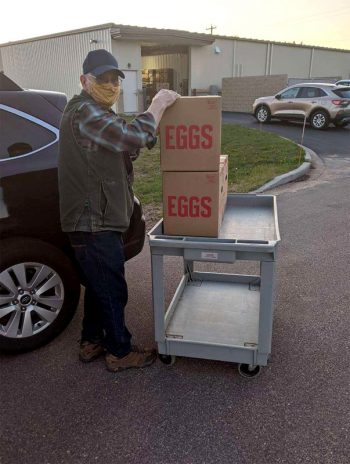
(321, 104)
(343, 82)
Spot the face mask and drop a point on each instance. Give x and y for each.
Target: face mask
(105, 94)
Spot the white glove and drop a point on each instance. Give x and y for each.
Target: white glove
(161, 101)
(165, 97)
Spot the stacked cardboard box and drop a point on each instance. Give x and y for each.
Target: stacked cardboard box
(194, 172)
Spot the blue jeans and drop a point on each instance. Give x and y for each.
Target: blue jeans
(100, 256)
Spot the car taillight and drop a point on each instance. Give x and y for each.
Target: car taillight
(340, 102)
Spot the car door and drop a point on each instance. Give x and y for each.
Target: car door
(308, 98)
(285, 104)
(28, 174)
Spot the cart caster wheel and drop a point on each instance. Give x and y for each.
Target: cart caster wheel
(248, 371)
(167, 359)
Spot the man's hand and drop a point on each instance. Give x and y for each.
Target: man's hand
(166, 97)
(161, 101)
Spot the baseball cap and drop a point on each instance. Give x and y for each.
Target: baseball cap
(100, 61)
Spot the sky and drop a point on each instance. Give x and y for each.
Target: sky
(310, 22)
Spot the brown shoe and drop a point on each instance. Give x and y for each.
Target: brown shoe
(135, 359)
(90, 351)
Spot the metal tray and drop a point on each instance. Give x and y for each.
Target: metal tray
(250, 223)
(223, 313)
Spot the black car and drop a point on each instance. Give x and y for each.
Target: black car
(39, 281)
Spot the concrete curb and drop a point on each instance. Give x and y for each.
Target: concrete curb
(289, 176)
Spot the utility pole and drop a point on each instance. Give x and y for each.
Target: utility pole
(211, 28)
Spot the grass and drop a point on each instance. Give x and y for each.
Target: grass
(255, 157)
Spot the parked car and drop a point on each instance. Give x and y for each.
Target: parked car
(321, 104)
(39, 280)
(345, 82)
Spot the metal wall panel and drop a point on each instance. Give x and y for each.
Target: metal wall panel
(209, 64)
(240, 58)
(53, 63)
(293, 61)
(249, 59)
(329, 62)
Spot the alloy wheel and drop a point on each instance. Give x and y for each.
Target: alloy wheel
(262, 114)
(31, 297)
(318, 120)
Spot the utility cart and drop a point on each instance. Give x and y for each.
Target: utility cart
(220, 316)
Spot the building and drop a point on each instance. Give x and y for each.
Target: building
(190, 63)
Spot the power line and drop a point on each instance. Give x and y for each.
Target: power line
(211, 28)
(311, 17)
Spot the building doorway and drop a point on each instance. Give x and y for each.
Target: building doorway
(130, 93)
(164, 67)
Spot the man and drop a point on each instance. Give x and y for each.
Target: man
(96, 203)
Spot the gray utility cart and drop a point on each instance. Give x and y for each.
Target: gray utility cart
(227, 317)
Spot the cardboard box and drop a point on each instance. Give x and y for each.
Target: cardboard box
(194, 202)
(190, 135)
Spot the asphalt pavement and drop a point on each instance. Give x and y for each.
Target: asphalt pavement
(332, 141)
(56, 410)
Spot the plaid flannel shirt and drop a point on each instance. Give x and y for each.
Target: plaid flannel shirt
(95, 125)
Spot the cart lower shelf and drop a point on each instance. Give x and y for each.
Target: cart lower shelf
(211, 319)
(219, 313)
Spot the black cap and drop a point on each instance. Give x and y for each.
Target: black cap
(100, 61)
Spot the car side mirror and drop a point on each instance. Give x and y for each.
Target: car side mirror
(278, 96)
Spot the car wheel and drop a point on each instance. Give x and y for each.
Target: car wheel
(263, 113)
(319, 120)
(39, 293)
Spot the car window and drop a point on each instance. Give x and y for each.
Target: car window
(290, 93)
(342, 93)
(311, 92)
(20, 135)
(343, 83)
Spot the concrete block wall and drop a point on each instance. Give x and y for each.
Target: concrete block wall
(239, 93)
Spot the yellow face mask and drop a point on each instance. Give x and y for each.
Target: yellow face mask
(105, 94)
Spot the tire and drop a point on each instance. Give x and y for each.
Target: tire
(39, 293)
(263, 114)
(319, 120)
